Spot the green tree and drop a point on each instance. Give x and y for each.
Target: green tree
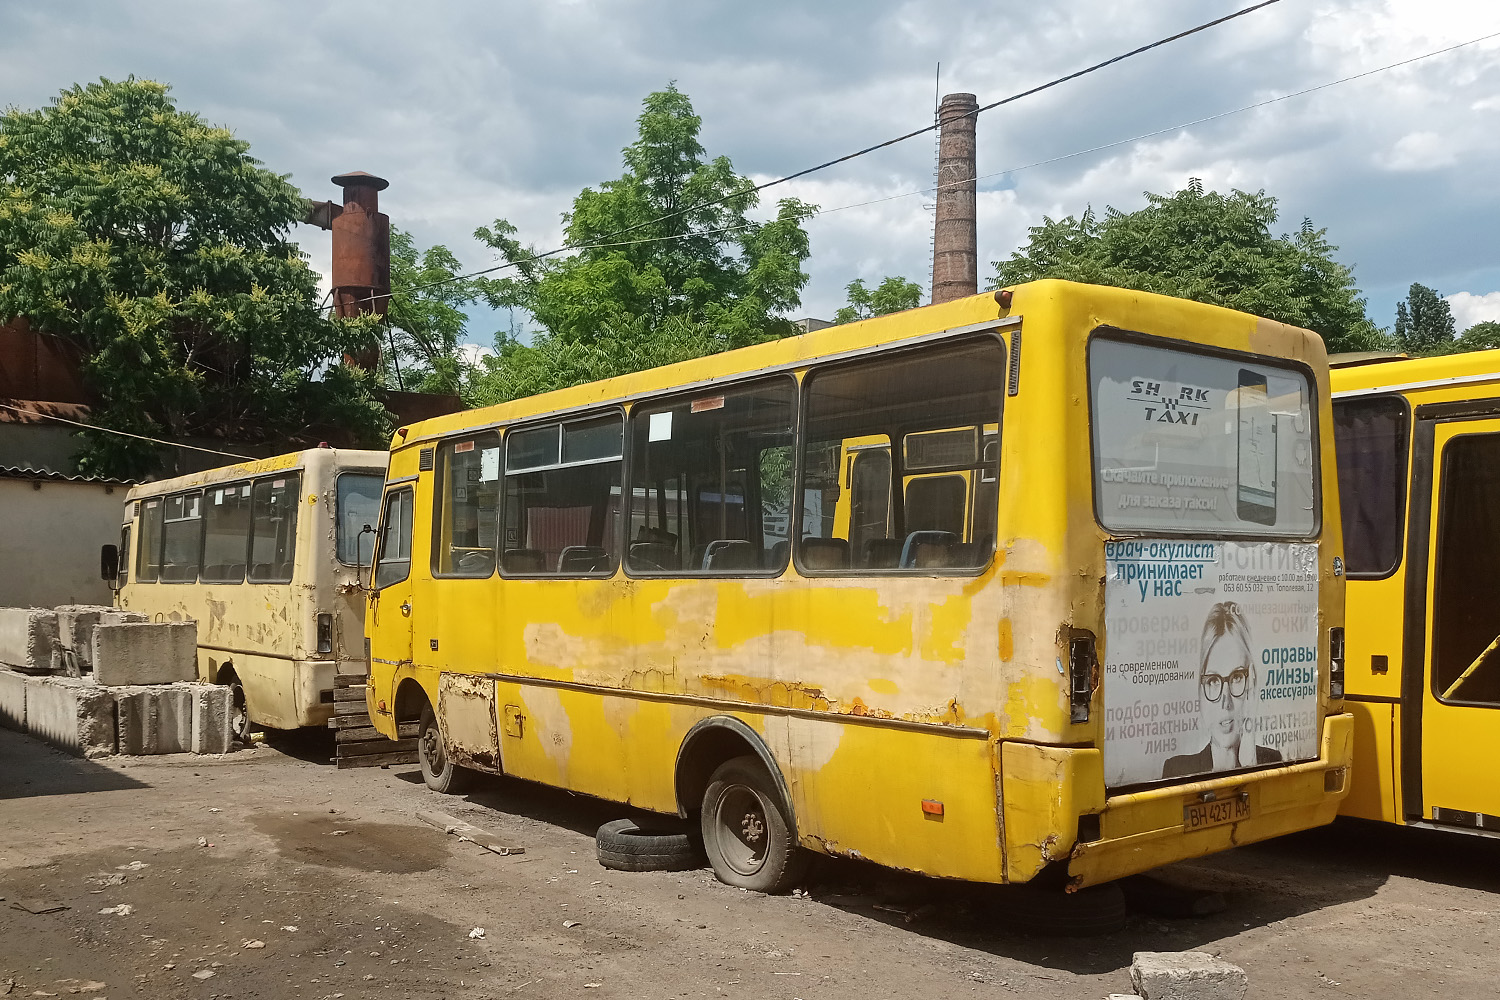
(1212, 248)
(1424, 322)
(1482, 336)
(893, 294)
(160, 246)
(692, 270)
(426, 321)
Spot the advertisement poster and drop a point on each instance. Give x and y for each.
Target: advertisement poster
(1211, 658)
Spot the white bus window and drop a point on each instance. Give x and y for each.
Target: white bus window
(226, 533)
(182, 533)
(273, 542)
(708, 474)
(357, 504)
(468, 501)
(1192, 442)
(148, 549)
(562, 498)
(393, 558)
(935, 405)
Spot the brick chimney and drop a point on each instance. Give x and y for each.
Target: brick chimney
(955, 249)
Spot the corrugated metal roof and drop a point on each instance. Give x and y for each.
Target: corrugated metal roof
(53, 476)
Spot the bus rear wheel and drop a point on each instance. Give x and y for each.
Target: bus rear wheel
(438, 771)
(746, 832)
(239, 711)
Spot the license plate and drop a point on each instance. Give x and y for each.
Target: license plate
(1230, 809)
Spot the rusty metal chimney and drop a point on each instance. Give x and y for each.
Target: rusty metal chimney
(361, 247)
(955, 245)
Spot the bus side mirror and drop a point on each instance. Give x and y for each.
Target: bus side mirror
(359, 563)
(109, 565)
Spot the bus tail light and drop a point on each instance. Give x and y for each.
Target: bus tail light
(1081, 661)
(1336, 662)
(325, 633)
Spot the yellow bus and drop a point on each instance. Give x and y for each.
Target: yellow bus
(1419, 473)
(266, 557)
(1113, 643)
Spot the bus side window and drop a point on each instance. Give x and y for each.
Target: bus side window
(273, 528)
(937, 404)
(122, 575)
(468, 507)
(226, 533)
(1370, 437)
(562, 498)
(710, 489)
(393, 555)
(148, 548)
(182, 536)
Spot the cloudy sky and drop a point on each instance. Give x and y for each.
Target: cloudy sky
(481, 110)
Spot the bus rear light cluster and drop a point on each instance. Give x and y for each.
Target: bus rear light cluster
(1336, 663)
(1081, 663)
(325, 633)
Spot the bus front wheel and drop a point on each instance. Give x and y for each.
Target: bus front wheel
(746, 833)
(438, 771)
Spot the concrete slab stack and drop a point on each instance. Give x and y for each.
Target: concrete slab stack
(96, 681)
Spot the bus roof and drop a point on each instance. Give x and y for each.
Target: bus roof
(1415, 375)
(1103, 304)
(344, 458)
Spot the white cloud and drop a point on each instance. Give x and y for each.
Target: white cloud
(1469, 309)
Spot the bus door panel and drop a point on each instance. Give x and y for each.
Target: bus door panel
(390, 619)
(1460, 728)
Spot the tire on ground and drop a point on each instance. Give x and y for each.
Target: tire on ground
(748, 834)
(438, 770)
(624, 846)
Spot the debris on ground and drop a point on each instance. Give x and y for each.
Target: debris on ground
(204, 974)
(467, 832)
(477, 933)
(572, 923)
(122, 910)
(252, 945)
(39, 905)
(133, 866)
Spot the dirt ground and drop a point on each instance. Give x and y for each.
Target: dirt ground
(316, 883)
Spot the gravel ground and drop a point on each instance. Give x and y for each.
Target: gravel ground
(285, 878)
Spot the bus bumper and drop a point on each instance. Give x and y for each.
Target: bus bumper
(313, 683)
(1142, 830)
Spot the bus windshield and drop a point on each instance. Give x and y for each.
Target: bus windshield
(358, 505)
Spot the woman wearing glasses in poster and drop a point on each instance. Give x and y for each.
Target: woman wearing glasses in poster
(1226, 689)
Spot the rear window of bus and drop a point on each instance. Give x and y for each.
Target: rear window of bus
(1186, 441)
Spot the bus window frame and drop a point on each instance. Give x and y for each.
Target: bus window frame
(667, 401)
(143, 512)
(249, 533)
(622, 514)
(1315, 432)
(293, 562)
(899, 473)
(1403, 502)
(439, 500)
(378, 473)
(392, 495)
(196, 578)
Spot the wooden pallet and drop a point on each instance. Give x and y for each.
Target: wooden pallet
(356, 741)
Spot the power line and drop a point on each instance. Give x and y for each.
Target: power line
(110, 430)
(1171, 128)
(757, 188)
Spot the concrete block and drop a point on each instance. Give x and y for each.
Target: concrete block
(28, 639)
(1186, 975)
(75, 635)
(155, 719)
(114, 616)
(145, 652)
(71, 714)
(213, 706)
(12, 700)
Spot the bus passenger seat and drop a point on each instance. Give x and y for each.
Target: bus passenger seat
(777, 556)
(882, 553)
(723, 554)
(825, 553)
(524, 561)
(582, 559)
(652, 555)
(928, 549)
